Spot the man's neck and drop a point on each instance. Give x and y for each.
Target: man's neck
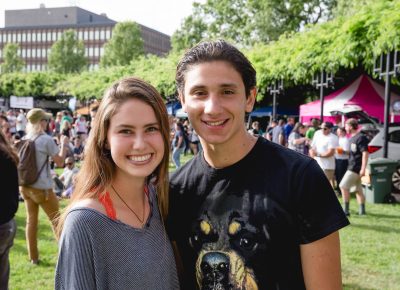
(223, 155)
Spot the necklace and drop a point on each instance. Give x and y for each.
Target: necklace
(141, 220)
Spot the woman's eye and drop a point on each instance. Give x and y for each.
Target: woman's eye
(152, 129)
(125, 131)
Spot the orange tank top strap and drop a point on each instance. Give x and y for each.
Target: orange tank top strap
(106, 201)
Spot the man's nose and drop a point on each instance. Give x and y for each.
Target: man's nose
(213, 104)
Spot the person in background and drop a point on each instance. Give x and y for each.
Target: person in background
(178, 143)
(12, 120)
(246, 213)
(40, 193)
(288, 127)
(358, 160)
(312, 129)
(341, 156)
(278, 133)
(64, 182)
(8, 206)
(323, 149)
(112, 232)
(255, 129)
(78, 148)
(81, 127)
(21, 123)
(57, 125)
(268, 133)
(297, 140)
(5, 127)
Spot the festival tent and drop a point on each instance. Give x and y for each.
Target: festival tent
(364, 92)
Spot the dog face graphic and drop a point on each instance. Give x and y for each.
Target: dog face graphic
(231, 244)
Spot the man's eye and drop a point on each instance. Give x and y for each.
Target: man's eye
(228, 92)
(199, 93)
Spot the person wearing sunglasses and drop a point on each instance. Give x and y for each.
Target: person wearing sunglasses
(323, 150)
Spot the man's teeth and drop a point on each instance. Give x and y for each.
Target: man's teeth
(140, 158)
(215, 123)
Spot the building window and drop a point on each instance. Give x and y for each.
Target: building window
(1, 53)
(28, 37)
(108, 34)
(23, 52)
(43, 36)
(34, 53)
(49, 36)
(91, 35)
(86, 51)
(59, 34)
(102, 34)
(97, 34)
(39, 53)
(28, 52)
(19, 37)
(86, 35)
(23, 37)
(44, 52)
(101, 51)
(54, 36)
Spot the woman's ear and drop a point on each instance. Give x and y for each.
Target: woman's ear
(106, 145)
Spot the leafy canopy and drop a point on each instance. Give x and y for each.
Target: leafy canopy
(125, 45)
(12, 61)
(67, 54)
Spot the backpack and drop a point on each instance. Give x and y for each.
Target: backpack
(27, 170)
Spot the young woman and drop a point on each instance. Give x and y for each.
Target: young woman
(8, 205)
(40, 193)
(112, 233)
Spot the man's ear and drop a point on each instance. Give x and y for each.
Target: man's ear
(182, 100)
(251, 99)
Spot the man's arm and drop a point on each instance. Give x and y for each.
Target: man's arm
(364, 162)
(320, 262)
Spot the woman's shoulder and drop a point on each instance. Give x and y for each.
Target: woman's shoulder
(90, 203)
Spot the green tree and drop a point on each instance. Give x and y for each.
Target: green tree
(125, 45)
(12, 61)
(67, 55)
(249, 21)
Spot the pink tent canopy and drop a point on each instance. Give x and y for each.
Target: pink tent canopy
(364, 92)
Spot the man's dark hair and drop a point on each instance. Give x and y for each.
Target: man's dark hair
(218, 50)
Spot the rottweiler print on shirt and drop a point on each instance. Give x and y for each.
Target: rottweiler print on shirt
(241, 227)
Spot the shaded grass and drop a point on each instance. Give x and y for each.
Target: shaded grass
(370, 250)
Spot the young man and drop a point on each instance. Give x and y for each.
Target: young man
(246, 213)
(358, 160)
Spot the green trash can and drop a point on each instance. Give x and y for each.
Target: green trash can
(381, 171)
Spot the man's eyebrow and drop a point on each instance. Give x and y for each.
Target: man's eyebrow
(224, 85)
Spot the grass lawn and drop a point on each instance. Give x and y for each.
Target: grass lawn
(370, 251)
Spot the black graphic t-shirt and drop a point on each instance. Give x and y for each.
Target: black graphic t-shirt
(240, 227)
(358, 144)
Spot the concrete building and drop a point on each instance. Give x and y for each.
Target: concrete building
(36, 30)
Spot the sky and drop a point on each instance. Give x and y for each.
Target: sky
(162, 15)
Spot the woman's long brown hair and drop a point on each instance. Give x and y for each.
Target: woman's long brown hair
(98, 168)
(8, 150)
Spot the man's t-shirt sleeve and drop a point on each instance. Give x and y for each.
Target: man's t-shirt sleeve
(318, 211)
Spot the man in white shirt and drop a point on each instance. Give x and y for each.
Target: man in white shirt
(323, 150)
(21, 123)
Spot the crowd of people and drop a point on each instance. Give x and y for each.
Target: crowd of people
(246, 213)
(337, 150)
